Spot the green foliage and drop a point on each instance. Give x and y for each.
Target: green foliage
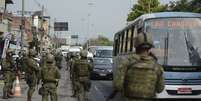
(186, 6)
(196, 6)
(182, 5)
(100, 41)
(145, 6)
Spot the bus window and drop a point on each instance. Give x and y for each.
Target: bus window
(122, 42)
(133, 38)
(129, 39)
(139, 30)
(126, 41)
(116, 45)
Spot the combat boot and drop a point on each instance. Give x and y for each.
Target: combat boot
(29, 99)
(10, 96)
(5, 95)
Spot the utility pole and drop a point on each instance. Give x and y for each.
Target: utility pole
(88, 26)
(149, 6)
(22, 26)
(42, 31)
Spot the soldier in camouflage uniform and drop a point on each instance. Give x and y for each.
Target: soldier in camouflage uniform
(82, 69)
(140, 77)
(43, 59)
(50, 77)
(72, 61)
(32, 72)
(9, 74)
(58, 58)
(23, 62)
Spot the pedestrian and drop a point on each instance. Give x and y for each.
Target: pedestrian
(82, 69)
(140, 77)
(50, 78)
(31, 74)
(9, 74)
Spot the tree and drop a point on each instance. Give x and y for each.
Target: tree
(186, 6)
(145, 6)
(182, 5)
(195, 6)
(100, 41)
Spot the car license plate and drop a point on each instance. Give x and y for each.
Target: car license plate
(184, 91)
(102, 74)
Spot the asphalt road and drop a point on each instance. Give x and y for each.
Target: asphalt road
(100, 90)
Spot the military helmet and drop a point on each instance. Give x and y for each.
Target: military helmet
(9, 52)
(83, 53)
(144, 40)
(50, 58)
(73, 54)
(32, 52)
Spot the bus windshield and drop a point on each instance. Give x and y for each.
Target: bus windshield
(177, 40)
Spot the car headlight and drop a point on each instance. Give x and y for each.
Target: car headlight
(96, 70)
(109, 70)
(111, 61)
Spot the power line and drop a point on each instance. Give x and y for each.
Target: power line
(41, 6)
(37, 3)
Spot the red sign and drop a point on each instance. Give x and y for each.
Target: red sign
(184, 91)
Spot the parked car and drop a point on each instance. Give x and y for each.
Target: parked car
(102, 69)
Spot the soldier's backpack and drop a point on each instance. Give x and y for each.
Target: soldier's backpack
(48, 74)
(140, 79)
(82, 67)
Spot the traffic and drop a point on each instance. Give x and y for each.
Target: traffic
(100, 50)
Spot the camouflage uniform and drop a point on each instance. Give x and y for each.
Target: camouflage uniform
(72, 73)
(58, 59)
(32, 72)
(68, 58)
(43, 59)
(82, 69)
(50, 77)
(9, 75)
(133, 80)
(23, 62)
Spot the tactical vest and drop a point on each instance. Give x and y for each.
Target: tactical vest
(140, 79)
(48, 74)
(82, 68)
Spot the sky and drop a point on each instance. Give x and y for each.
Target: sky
(95, 17)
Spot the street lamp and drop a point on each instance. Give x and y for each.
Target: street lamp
(88, 25)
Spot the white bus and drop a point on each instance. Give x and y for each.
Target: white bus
(177, 40)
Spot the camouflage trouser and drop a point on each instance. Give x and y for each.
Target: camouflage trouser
(81, 92)
(32, 82)
(12, 79)
(9, 78)
(74, 87)
(82, 89)
(50, 89)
